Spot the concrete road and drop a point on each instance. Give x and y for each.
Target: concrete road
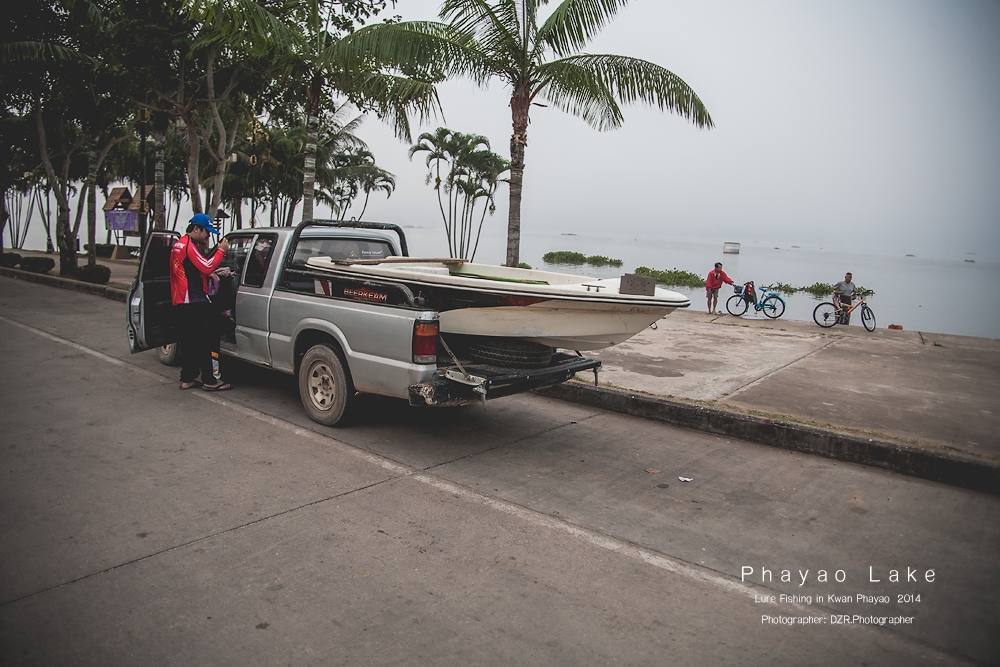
(141, 524)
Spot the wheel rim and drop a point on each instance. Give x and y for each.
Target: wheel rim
(868, 319)
(736, 305)
(774, 308)
(825, 315)
(322, 388)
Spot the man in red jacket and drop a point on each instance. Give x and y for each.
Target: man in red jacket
(712, 285)
(189, 272)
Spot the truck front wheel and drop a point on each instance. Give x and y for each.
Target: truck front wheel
(324, 388)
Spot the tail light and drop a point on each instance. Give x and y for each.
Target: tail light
(425, 335)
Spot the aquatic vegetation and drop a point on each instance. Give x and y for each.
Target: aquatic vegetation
(564, 257)
(572, 257)
(674, 277)
(601, 260)
(784, 288)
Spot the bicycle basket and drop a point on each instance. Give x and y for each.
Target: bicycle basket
(738, 289)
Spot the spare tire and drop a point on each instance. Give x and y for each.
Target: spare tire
(509, 352)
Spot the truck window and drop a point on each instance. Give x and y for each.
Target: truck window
(339, 249)
(236, 257)
(260, 258)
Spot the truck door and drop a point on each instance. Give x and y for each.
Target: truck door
(148, 310)
(253, 300)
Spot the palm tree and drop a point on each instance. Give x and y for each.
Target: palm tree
(460, 153)
(375, 179)
(315, 57)
(502, 39)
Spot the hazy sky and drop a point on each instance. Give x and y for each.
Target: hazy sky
(867, 119)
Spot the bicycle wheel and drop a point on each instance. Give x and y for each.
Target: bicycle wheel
(773, 307)
(868, 318)
(736, 305)
(825, 314)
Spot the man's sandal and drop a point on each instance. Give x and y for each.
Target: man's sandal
(193, 384)
(221, 386)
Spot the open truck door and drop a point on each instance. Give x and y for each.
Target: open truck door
(148, 313)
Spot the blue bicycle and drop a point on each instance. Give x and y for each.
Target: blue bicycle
(772, 304)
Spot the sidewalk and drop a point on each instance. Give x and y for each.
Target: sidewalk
(919, 403)
(909, 401)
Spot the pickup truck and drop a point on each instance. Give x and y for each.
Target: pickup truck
(339, 344)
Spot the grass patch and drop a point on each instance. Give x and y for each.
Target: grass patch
(572, 257)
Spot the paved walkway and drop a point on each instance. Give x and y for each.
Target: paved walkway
(935, 390)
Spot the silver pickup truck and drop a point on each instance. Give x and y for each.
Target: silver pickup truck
(282, 315)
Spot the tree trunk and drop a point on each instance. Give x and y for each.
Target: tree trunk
(159, 181)
(309, 161)
(520, 103)
(4, 217)
(309, 168)
(194, 181)
(91, 208)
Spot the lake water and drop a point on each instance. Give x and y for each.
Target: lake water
(941, 294)
(945, 295)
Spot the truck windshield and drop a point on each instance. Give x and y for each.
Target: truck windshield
(339, 249)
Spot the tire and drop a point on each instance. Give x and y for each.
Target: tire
(324, 387)
(825, 314)
(168, 354)
(868, 318)
(773, 307)
(736, 305)
(510, 353)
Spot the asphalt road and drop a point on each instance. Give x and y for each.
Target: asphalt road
(140, 524)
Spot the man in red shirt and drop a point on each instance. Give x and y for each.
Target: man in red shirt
(193, 312)
(712, 285)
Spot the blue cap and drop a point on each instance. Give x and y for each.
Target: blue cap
(202, 220)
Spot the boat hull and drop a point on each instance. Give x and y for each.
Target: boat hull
(557, 324)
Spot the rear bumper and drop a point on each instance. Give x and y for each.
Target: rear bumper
(450, 386)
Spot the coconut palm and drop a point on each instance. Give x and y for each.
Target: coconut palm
(505, 40)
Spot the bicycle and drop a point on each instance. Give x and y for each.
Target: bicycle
(772, 304)
(827, 314)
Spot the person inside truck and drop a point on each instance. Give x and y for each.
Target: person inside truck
(192, 307)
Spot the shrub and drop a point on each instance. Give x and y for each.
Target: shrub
(523, 265)
(10, 259)
(564, 257)
(674, 277)
(37, 264)
(98, 274)
(601, 260)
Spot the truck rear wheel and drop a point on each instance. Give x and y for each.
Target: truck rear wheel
(324, 388)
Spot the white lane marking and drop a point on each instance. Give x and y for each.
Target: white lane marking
(693, 572)
(86, 350)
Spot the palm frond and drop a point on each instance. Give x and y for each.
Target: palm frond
(575, 22)
(579, 91)
(426, 49)
(632, 80)
(38, 52)
(394, 98)
(495, 26)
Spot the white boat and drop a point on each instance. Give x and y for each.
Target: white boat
(554, 309)
(730, 248)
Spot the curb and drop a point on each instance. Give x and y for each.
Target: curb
(953, 469)
(106, 291)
